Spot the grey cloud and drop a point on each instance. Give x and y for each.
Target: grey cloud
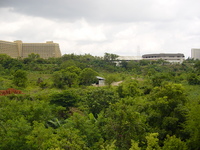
(60, 9)
(105, 10)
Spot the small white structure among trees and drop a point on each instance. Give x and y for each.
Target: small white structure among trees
(101, 81)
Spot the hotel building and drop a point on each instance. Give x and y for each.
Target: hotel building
(19, 49)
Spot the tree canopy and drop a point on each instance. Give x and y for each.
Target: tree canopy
(58, 106)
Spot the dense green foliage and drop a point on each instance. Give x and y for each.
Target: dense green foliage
(144, 105)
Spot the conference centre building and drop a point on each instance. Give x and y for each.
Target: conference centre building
(170, 57)
(19, 49)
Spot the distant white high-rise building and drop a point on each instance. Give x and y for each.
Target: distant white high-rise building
(195, 53)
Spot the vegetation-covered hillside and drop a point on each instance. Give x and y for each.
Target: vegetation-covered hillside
(154, 105)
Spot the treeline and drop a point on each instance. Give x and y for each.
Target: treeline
(155, 106)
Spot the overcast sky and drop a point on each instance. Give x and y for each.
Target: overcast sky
(122, 27)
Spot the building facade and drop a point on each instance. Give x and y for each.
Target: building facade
(170, 57)
(195, 53)
(126, 58)
(19, 49)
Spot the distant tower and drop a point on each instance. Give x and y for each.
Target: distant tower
(138, 50)
(195, 53)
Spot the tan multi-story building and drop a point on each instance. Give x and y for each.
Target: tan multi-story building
(19, 49)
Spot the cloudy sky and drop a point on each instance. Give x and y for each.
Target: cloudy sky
(123, 27)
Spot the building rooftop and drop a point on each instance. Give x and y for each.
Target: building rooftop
(164, 55)
(129, 58)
